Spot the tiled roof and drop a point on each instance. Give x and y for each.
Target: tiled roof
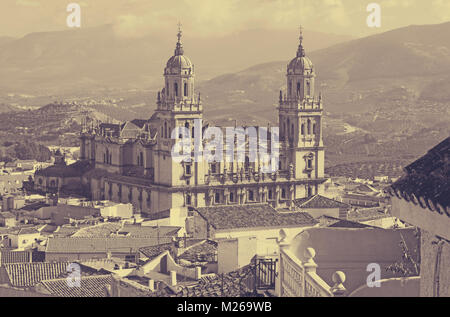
(94, 245)
(228, 285)
(253, 216)
(331, 222)
(8, 257)
(148, 231)
(90, 286)
(97, 231)
(427, 182)
(73, 170)
(29, 274)
(205, 251)
(318, 201)
(152, 252)
(367, 214)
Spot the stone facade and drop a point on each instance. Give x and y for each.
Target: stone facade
(133, 161)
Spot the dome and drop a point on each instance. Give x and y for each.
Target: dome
(300, 64)
(179, 62)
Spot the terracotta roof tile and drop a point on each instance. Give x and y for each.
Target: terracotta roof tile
(253, 216)
(90, 286)
(427, 181)
(318, 201)
(29, 274)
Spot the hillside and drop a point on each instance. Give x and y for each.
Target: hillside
(408, 64)
(54, 124)
(89, 59)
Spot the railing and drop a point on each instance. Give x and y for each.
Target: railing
(299, 279)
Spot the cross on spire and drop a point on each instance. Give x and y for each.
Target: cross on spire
(301, 51)
(179, 48)
(180, 32)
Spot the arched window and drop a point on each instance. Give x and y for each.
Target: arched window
(141, 159)
(175, 87)
(314, 128)
(308, 87)
(185, 89)
(309, 126)
(303, 129)
(298, 89)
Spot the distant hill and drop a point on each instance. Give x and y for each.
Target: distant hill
(88, 59)
(409, 64)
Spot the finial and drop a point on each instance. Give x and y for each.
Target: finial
(180, 32)
(179, 48)
(301, 51)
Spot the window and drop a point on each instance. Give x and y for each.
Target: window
(270, 194)
(309, 191)
(217, 198)
(232, 197)
(176, 89)
(309, 163)
(309, 126)
(290, 87)
(188, 200)
(308, 87)
(303, 129)
(314, 128)
(215, 167)
(298, 89)
(185, 90)
(251, 195)
(283, 193)
(187, 169)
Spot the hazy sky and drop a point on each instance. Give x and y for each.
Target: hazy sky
(219, 17)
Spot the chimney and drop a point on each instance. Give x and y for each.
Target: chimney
(151, 285)
(173, 278)
(198, 272)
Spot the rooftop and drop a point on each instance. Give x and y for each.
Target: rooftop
(74, 170)
(94, 245)
(29, 274)
(253, 216)
(318, 201)
(91, 286)
(427, 181)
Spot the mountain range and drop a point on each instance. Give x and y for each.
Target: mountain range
(88, 59)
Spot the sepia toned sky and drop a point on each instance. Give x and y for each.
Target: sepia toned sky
(208, 18)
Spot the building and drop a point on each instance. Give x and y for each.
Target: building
(87, 248)
(132, 162)
(7, 219)
(259, 221)
(422, 198)
(334, 261)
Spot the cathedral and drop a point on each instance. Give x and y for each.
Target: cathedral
(132, 163)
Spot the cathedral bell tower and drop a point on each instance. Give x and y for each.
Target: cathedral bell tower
(177, 106)
(300, 119)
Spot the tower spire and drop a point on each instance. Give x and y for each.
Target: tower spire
(301, 50)
(179, 48)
